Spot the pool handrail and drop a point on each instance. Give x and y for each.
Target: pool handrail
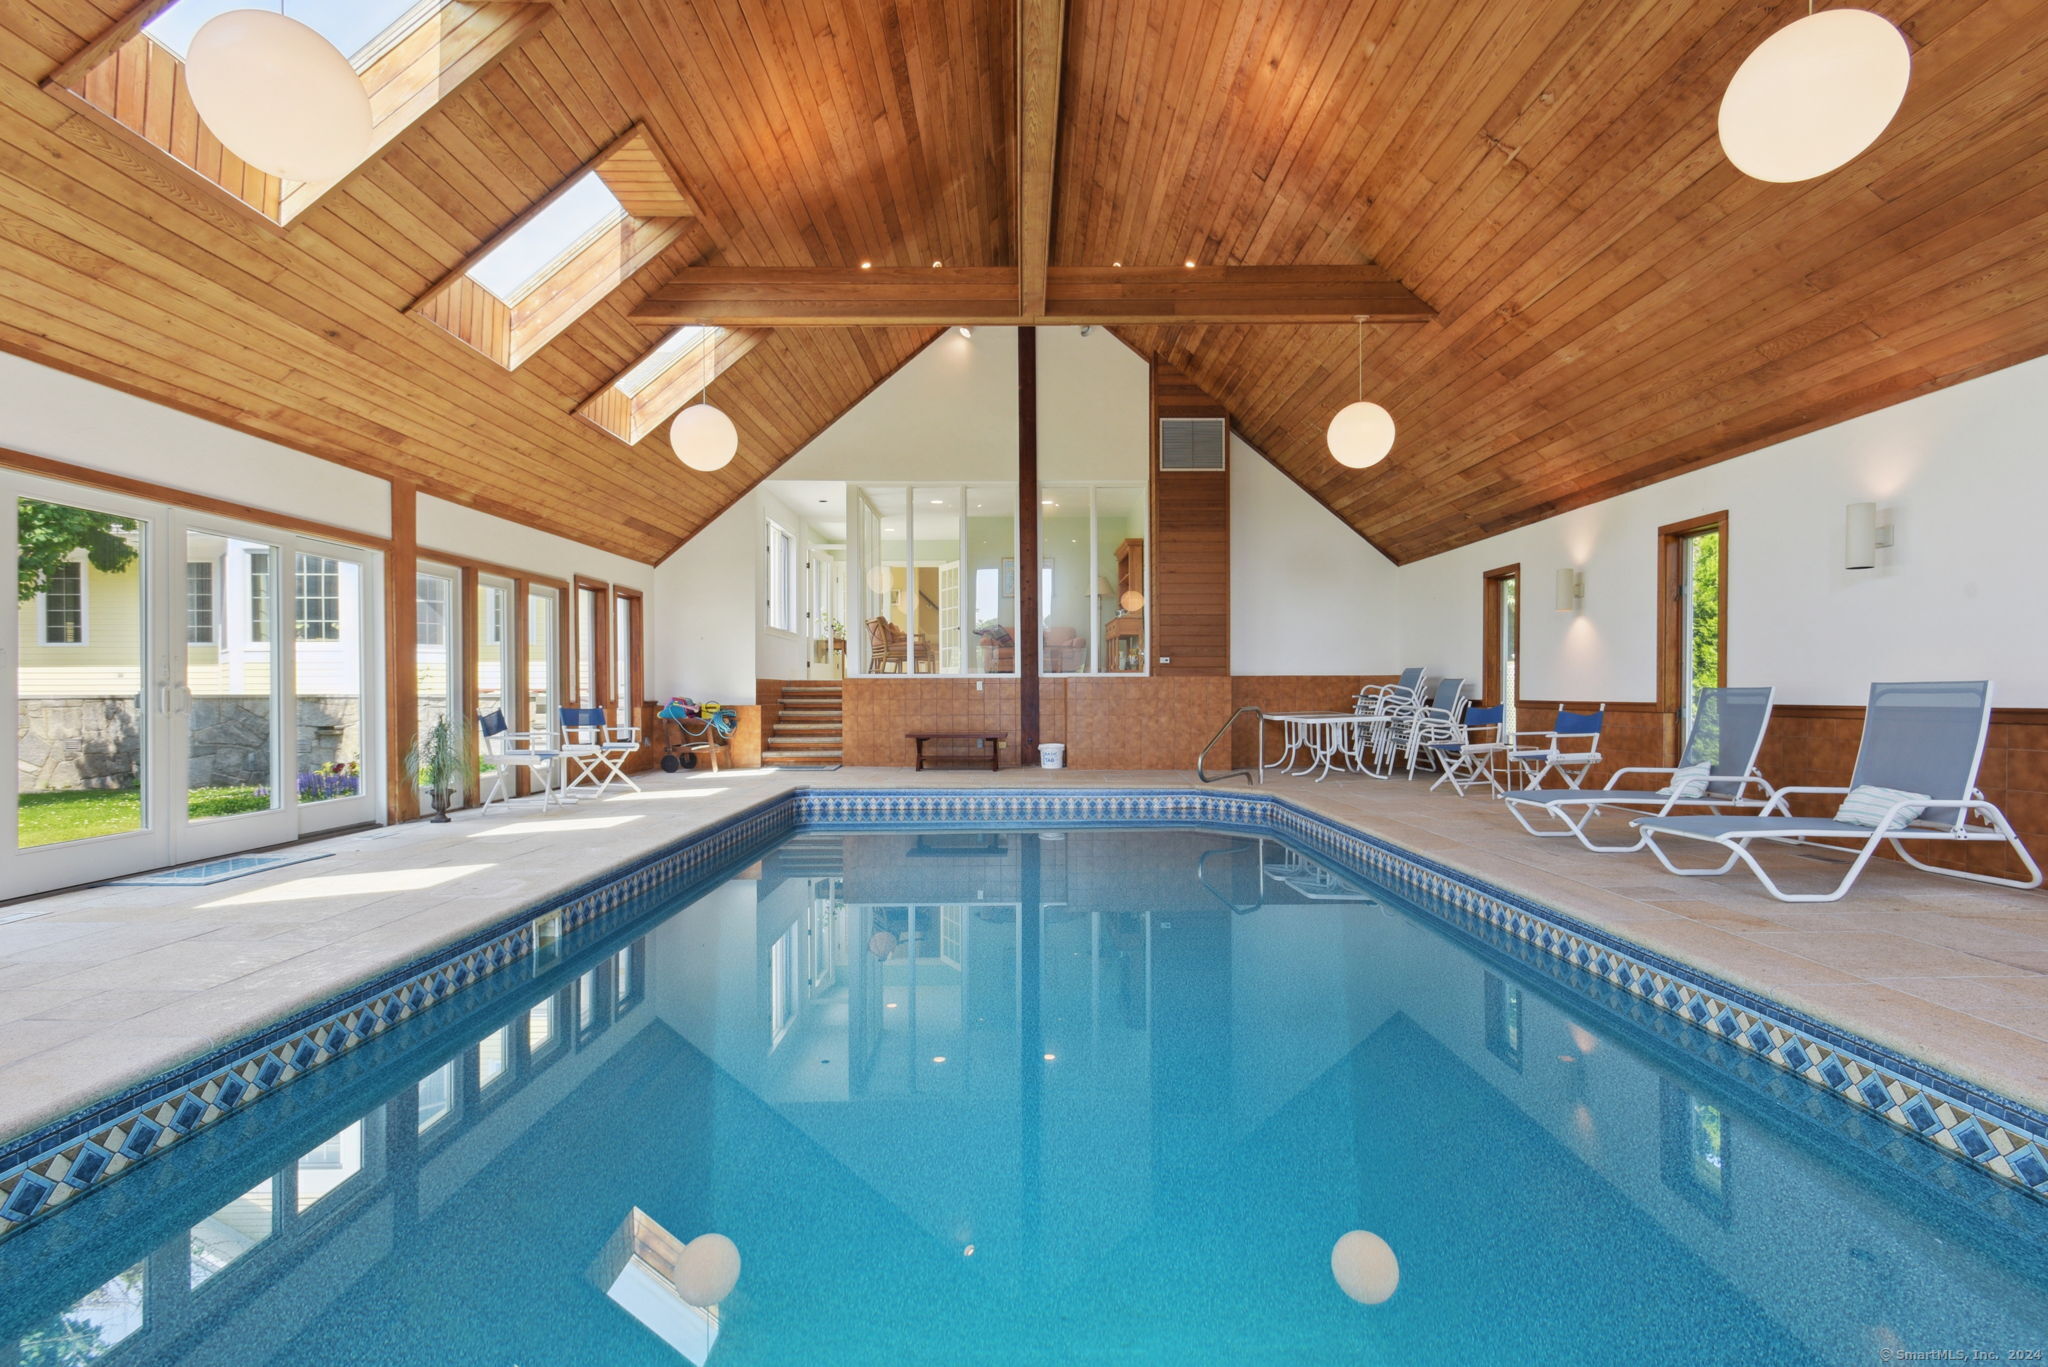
(1254, 775)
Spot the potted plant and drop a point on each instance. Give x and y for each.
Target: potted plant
(440, 758)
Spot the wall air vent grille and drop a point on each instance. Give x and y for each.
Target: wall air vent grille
(1192, 443)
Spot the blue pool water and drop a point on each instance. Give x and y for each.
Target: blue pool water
(1099, 1095)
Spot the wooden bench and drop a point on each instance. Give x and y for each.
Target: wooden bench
(992, 739)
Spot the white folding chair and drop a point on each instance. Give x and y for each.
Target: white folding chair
(594, 751)
(506, 751)
(1466, 762)
(1557, 756)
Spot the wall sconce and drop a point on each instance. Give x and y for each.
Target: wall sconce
(1571, 590)
(1863, 537)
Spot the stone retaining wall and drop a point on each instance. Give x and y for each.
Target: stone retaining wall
(64, 744)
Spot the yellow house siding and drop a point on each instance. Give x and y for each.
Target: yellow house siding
(108, 663)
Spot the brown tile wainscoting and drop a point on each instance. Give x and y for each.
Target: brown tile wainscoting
(1291, 693)
(1156, 722)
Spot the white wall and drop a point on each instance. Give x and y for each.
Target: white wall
(1094, 407)
(46, 412)
(778, 654)
(461, 530)
(948, 416)
(710, 614)
(1307, 594)
(1959, 471)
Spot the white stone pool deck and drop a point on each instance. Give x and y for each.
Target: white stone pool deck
(107, 986)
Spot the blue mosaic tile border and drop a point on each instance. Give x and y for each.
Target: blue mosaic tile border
(1997, 1134)
(42, 1171)
(45, 1169)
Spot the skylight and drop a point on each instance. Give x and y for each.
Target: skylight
(351, 25)
(673, 347)
(586, 208)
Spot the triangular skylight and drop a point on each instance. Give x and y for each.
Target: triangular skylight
(580, 212)
(354, 26)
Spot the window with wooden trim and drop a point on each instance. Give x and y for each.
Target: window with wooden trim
(1692, 614)
(517, 292)
(411, 55)
(675, 371)
(1502, 650)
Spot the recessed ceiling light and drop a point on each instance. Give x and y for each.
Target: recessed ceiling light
(938, 1058)
(1189, 264)
(937, 501)
(867, 265)
(967, 332)
(1118, 264)
(937, 264)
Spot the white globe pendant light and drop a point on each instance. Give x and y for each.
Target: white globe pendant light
(703, 437)
(1814, 95)
(278, 95)
(1362, 433)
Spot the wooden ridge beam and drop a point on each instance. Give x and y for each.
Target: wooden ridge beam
(741, 296)
(1041, 48)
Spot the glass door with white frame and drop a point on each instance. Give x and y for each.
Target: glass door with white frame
(88, 684)
(334, 624)
(437, 664)
(183, 686)
(227, 713)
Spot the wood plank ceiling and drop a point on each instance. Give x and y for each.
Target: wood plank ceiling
(1615, 303)
(815, 133)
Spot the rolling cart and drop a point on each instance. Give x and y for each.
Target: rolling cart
(694, 729)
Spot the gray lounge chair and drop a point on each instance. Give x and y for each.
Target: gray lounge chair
(1918, 738)
(1728, 727)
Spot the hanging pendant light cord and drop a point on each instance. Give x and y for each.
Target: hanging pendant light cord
(1361, 360)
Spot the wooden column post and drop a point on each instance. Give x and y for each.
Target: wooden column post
(401, 649)
(466, 699)
(1027, 545)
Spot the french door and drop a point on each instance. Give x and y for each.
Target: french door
(184, 686)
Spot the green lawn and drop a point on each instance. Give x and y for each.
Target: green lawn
(51, 818)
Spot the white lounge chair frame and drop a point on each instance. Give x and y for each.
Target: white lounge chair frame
(1575, 808)
(1947, 819)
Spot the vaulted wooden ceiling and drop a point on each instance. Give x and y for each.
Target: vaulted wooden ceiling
(1615, 303)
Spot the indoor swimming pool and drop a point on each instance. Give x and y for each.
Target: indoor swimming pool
(1034, 1093)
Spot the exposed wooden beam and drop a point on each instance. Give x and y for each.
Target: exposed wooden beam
(1041, 47)
(1230, 294)
(736, 296)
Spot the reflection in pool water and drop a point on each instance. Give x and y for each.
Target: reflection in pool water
(1131, 1096)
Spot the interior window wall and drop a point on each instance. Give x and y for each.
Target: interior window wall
(938, 565)
(1093, 581)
